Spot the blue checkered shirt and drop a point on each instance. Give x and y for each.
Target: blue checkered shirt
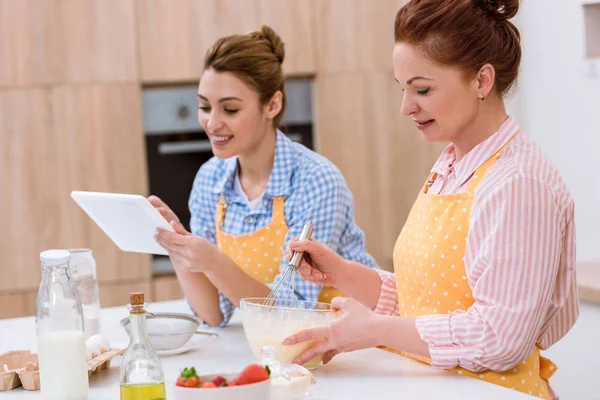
(314, 190)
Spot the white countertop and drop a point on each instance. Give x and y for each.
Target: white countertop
(356, 375)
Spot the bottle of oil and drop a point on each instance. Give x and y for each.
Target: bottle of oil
(141, 375)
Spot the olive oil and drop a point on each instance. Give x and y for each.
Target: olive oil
(140, 374)
(151, 391)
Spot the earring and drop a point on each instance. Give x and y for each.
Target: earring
(481, 97)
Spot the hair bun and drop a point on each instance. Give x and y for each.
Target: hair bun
(500, 10)
(277, 45)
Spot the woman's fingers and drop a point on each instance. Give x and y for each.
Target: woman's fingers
(329, 356)
(312, 352)
(308, 272)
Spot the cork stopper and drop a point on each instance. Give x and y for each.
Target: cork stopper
(136, 298)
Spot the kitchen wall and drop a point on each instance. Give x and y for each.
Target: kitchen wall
(559, 101)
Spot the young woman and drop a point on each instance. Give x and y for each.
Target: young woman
(484, 268)
(258, 190)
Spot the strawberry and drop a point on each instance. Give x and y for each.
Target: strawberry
(208, 385)
(188, 378)
(219, 381)
(253, 373)
(231, 383)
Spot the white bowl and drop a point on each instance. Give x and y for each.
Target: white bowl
(253, 391)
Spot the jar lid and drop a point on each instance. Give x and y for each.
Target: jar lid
(54, 257)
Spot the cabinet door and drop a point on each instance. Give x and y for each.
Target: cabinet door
(380, 153)
(293, 22)
(174, 36)
(354, 35)
(166, 287)
(29, 172)
(102, 148)
(63, 41)
(16, 305)
(113, 294)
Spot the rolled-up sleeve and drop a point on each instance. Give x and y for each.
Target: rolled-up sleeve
(512, 259)
(387, 302)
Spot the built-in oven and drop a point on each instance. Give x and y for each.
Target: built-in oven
(176, 145)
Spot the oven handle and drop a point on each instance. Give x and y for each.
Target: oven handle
(186, 147)
(199, 146)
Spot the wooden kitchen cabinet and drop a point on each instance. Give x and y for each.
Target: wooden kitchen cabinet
(174, 36)
(114, 294)
(102, 148)
(380, 153)
(166, 287)
(29, 172)
(16, 305)
(53, 141)
(64, 41)
(354, 35)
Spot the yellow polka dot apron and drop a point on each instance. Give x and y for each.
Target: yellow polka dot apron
(431, 276)
(259, 253)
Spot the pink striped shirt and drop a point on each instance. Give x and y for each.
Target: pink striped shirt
(519, 258)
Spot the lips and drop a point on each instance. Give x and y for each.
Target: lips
(423, 124)
(219, 140)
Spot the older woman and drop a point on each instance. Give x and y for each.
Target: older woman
(484, 268)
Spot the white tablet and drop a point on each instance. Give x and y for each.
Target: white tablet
(129, 220)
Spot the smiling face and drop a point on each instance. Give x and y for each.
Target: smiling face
(231, 114)
(439, 99)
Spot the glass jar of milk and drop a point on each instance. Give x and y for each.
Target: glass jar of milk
(60, 332)
(83, 275)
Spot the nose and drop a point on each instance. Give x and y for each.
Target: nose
(214, 123)
(408, 105)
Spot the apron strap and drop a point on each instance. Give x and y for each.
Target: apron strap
(278, 215)
(480, 172)
(220, 214)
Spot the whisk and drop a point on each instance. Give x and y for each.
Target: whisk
(286, 284)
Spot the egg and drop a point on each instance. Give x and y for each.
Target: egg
(96, 345)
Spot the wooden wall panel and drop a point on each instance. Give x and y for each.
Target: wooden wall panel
(102, 149)
(20, 304)
(380, 153)
(113, 294)
(65, 41)
(166, 287)
(354, 35)
(29, 175)
(174, 36)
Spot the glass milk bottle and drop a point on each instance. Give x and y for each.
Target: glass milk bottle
(83, 274)
(141, 375)
(60, 333)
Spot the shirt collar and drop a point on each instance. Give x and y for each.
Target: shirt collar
(279, 183)
(464, 168)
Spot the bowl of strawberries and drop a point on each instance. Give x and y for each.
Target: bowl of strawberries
(253, 382)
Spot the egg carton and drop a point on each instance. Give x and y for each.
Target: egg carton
(20, 368)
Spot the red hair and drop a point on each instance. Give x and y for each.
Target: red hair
(466, 34)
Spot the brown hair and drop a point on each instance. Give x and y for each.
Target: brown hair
(255, 58)
(466, 34)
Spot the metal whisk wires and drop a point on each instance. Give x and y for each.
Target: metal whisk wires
(283, 293)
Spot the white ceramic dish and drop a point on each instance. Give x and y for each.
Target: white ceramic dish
(253, 391)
